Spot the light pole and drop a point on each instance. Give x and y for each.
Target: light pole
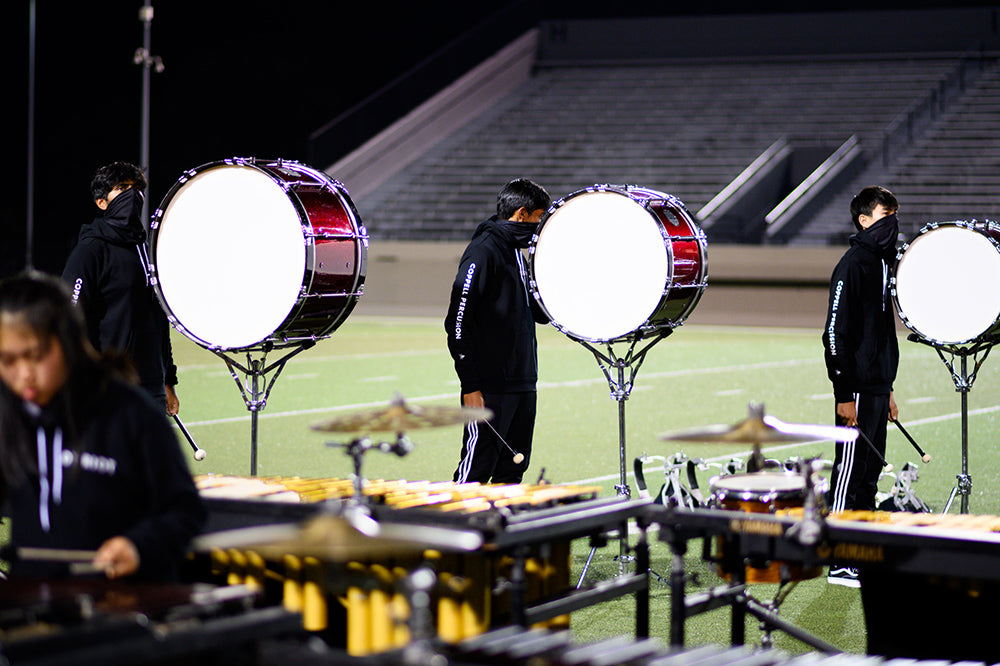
(143, 56)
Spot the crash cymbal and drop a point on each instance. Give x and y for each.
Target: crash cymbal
(759, 428)
(401, 417)
(334, 538)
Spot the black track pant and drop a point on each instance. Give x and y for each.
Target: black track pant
(484, 457)
(856, 467)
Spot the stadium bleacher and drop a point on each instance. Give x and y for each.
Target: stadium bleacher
(925, 124)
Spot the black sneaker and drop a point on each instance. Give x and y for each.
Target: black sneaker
(846, 576)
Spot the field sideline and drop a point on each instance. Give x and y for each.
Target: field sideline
(697, 376)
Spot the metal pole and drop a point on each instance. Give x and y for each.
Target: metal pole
(623, 489)
(965, 435)
(255, 407)
(143, 56)
(29, 247)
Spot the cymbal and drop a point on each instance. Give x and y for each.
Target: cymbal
(759, 428)
(333, 538)
(400, 417)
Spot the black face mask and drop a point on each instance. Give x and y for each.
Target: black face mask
(885, 233)
(522, 232)
(125, 210)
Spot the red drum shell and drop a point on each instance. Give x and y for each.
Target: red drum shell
(581, 263)
(248, 253)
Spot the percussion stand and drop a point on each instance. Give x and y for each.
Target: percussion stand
(256, 371)
(621, 388)
(358, 447)
(963, 384)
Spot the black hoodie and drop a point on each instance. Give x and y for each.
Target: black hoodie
(108, 274)
(124, 474)
(491, 318)
(861, 350)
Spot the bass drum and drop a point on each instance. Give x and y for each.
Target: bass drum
(257, 254)
(614, 263)
(944, 283)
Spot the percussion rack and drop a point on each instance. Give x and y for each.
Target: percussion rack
(256, 370)
(963, 384)
(621, 388)
(900, 562)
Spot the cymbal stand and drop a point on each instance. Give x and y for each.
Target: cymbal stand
(356, 508)
(614, 367)
(357, 448)
(254, 388)
(963, 384)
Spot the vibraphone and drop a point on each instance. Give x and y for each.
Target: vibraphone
(938, 572)
(520, 575)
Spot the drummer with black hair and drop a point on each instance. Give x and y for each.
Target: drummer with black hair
(91, 474)
(491, 336)
(108, 273)
(862, 355)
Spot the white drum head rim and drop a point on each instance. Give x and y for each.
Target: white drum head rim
(230, 256)
(945, 284)
(760, 482)
(600, 265)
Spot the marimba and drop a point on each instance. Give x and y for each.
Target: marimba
(519, 575)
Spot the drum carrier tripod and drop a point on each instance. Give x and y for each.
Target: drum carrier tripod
(620, 371)
(255, 387)
(963, 384)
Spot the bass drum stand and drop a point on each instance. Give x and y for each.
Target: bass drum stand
(614, 368)
(254, 386)
(963, 384)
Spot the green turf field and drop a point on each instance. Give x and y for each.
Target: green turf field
(697, 376)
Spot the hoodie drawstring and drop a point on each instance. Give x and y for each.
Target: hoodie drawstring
(144, 260)
(49, 488)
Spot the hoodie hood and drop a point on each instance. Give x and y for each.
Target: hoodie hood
(121, 223)
(515, 234)
(880, 238)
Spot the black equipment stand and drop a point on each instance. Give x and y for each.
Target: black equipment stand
(963, 384)
(357, 448)
(621, 388)
(256, 371)
(808, 533)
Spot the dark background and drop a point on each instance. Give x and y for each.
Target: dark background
(249, 78)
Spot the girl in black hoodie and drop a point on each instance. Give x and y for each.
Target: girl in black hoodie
(87, 460)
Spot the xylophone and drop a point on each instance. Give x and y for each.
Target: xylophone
(520, 574)
(939, 570)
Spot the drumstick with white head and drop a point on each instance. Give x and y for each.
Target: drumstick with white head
(518, 457)
(923, 456)
(199, 453)
(886, 466)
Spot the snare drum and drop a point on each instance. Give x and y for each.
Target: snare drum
(763, 492)
(944, 283)
(617, 262)
(248, 253)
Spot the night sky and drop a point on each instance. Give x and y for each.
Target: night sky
(249, 78)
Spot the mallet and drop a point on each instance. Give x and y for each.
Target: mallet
(923, 456)
(199, 454)
(886, 466)
(518, 457)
